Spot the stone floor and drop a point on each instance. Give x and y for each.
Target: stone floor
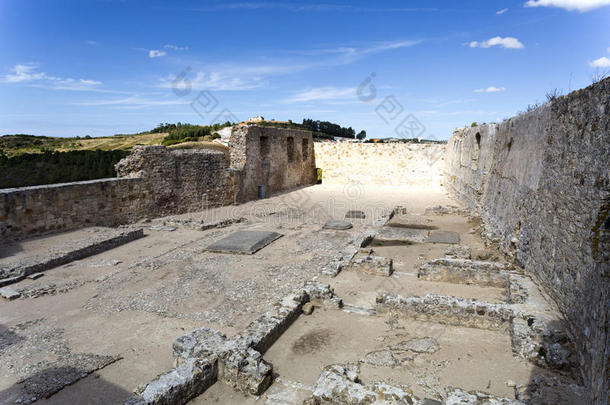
(105, 324)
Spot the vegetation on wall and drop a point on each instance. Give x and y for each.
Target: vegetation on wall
(183, 132)
(30, 169)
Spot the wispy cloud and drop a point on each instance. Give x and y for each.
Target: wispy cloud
(92, 43)
(240, 76)
(507, 42)
(304, 7)
(572, 5)
(213, 81)
(176, 48)
(327, 93)
(490, 89)
(500, 12)
(155, 53)
(30, 75)
(135, 101)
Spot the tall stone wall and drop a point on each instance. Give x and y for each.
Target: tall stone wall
(153, 182)
(381, 163)
(541, 184)
(273, 158)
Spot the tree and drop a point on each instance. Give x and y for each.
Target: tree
(361, 135)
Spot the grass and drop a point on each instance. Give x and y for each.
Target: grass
(13, 145)
(201, 145)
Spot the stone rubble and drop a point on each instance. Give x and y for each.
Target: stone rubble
(369, 264)
(458, 252)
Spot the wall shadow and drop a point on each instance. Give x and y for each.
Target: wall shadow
(64, 385)
(561, 383)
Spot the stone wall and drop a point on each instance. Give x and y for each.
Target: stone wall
(541, 184)
(381, 163)
(275, 158)
(153, 182)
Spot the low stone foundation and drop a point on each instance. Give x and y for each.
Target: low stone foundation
(464, 271)
(205, 356)
(13, 272)
(448, 310)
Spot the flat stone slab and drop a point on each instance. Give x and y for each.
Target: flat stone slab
(443, 237)
(355, 214)
(9, 293)
(389, 234)
(339, 225)
(411, 221)
(243, 242)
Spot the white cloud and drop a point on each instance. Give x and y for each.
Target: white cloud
(500, 12)
(29, 74)
(24, 73)
(490, 89)
(327, 93)
(135, 102)
(213, 81)
(602, 62)
(154, 53)
(579, 5)
(245, 76)
(507, 42)
(176, 48)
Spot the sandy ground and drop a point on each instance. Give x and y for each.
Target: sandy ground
(132, 301)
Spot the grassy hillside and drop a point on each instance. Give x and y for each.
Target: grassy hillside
(27, 160)
(13, 145)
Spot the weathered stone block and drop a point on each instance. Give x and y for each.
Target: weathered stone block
(448, 310)
(464, 271)
(375, 265)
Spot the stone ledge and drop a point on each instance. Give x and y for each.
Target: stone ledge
(448, 310)
(19, 270)
(465, 271)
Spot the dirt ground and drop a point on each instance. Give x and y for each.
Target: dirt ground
(111, 318)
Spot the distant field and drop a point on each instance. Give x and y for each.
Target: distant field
(13, 145)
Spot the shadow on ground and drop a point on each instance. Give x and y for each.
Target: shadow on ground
(64, 385)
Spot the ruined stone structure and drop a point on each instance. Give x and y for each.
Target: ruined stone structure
(154, 181)
(393, 294)
(383, 163)
(541, 185)
(266, 160)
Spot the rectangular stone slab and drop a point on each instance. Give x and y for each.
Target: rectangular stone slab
(243, 242)
(443, 237)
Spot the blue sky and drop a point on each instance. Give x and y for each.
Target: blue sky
(103, 67)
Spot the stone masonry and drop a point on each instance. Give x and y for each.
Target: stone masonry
(540, 183)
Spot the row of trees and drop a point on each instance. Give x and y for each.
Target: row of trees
(30, 169)
(328, 128)
(183, 132)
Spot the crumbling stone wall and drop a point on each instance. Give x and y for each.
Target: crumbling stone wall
(178, 181)
(153, 182)
(542, 188)
(275, 158)
(381, 163)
